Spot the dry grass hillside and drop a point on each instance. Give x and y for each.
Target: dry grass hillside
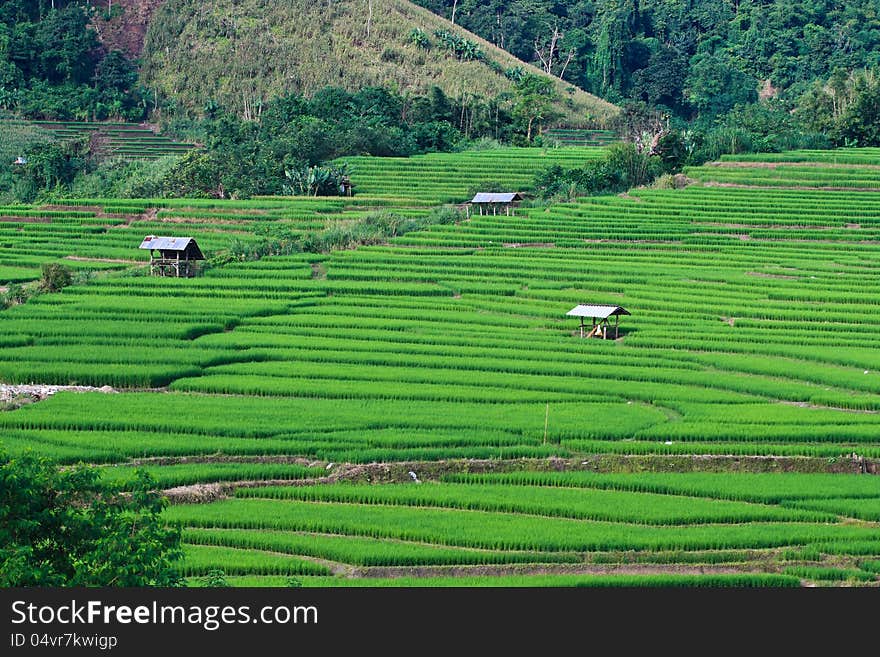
(241, 52)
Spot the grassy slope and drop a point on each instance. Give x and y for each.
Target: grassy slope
(247, 49)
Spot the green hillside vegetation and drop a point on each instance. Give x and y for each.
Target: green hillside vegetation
(692, 58)
(241, 54)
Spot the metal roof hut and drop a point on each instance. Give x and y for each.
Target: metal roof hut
(495, 200)
(600, 318)
(172, 256)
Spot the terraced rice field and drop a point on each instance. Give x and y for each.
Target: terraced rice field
(438, 178)
(125, 140)
(841, 169)
(422, 412)
(581, 137)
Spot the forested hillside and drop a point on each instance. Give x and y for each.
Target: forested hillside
(695, 57)
(54, 66)
(269, 90)
(274, 90)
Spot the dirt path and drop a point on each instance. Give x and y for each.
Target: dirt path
(25, 220)
(496, 570)
(712, 183)
(434, 470)
(120, 261)
(745, 164)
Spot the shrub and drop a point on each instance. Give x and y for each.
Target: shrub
(622, 168)
(61, 528)
(214, 579)
(419, 38)
(55, 277)
(463, 49)
(15, 294)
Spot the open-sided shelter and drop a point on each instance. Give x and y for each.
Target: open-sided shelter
(494, 201)
(172, 256)
(600, 320)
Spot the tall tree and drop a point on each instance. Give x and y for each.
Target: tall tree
(533, 105)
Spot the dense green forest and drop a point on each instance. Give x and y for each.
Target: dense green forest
(694, 57)
(293, 136)
(52, 65)
(695, 80)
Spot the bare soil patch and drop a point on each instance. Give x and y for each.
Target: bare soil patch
(26, 220)
(551, 569)
(119, 260)
(771, 226)
(125, 32)
(778, 276)
(713, 183)
(72, 208)
(776, 165)
(20, 394)
(375, 473)
(199, 220)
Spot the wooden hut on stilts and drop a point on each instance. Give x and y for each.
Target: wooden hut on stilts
(600, 320)
(492, 202)
(172, 256)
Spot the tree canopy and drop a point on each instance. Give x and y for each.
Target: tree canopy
(695, 57)
(63, 528)
(52, 65)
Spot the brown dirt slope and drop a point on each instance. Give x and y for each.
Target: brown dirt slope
(127, 28)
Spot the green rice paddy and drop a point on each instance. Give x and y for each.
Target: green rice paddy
(423, 412)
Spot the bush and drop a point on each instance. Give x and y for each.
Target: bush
(214, 579)
(63, 528)
(392, 55)
(55, 277)
(463, 49)
(317, 181)
(622, 168)
(419, 38)
(15, 294)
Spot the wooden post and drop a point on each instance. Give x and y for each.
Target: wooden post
(616, 326)
(582, 327)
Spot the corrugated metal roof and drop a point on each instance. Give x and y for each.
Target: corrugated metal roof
(166, 243)
(597, 312)
(505, 197)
